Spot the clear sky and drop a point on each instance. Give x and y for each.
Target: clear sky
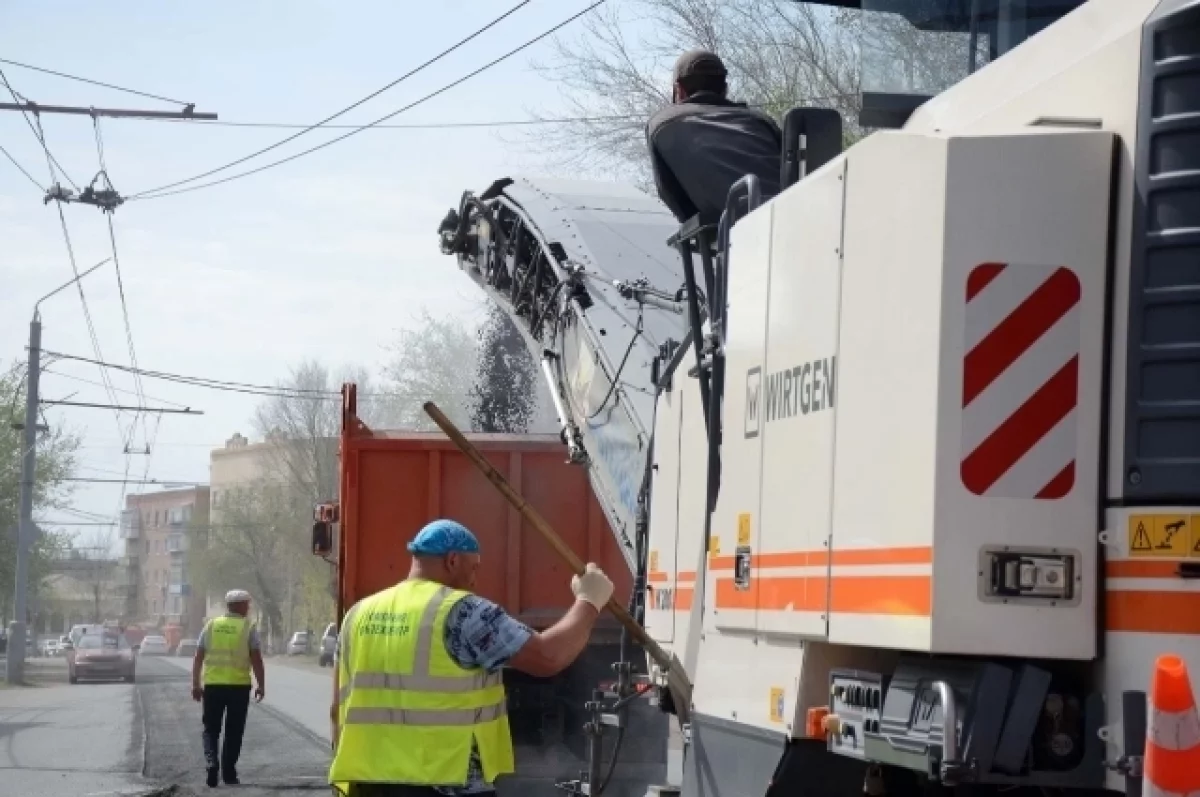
(326, 257)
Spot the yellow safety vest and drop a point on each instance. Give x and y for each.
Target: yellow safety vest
(227, 654)
(408, 713)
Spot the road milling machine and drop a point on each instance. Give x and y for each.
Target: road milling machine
(906, 458)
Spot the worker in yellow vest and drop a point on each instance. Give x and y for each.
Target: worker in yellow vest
(419, 707)
(228, 649)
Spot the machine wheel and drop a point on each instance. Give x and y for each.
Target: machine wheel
(72, 679)
(130, 679)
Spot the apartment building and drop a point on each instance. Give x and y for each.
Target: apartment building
(160, 530)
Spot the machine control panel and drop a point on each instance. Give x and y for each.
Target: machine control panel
(855, 710)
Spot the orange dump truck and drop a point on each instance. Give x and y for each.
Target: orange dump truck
(393, 483)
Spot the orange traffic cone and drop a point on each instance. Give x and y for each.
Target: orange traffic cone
(1172, 763)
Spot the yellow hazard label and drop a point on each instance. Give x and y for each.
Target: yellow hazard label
(743, 529)
(776, 708)
(1194, 542)
(653, 562)
(714, 545)
(1166, 536)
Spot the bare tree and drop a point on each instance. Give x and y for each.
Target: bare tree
(780, 54)
(436, 361)
(250, 545)
(615, 72)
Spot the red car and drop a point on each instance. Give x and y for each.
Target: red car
(101, 657)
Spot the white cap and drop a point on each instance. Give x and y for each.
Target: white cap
(237, 596)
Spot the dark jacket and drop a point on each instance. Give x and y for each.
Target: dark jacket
(703, 145)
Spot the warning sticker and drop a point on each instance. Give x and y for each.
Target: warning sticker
(1167, 536)
(776, 704)
(653, 562)
(714, 545)
(1194, 550)
(743, 537)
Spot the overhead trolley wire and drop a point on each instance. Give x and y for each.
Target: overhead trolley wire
(215, 384)
(93, 82)
(38, 133)
(22, 169)
(414, 126)
(154, 192)
(347, 109)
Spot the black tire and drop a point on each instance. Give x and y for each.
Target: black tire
(72, 679)
(131, 679)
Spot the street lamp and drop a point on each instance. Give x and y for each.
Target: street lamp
(15, 666)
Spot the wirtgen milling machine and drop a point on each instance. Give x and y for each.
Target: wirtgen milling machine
(906, 458)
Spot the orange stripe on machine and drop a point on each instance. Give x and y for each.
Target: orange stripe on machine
(840, 592)
(1133, 604)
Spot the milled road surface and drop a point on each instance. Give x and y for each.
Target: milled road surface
(280, 755)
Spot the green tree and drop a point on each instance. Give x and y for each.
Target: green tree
(55, 463)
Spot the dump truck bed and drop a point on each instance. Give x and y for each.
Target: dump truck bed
(393, 483)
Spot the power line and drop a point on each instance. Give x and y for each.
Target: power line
(153, 193)
(137, 379)
(416, 126)
(21, 168)
(93, 82)
(119, 390)
(162, 482)
(87, 313)
(347, 109)
(214, 384)
(39, 134)
(233, 387)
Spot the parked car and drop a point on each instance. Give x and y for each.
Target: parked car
(328, 654)
(106, 657)
(186, 647)
(298, 644)
(154, 645)
(51, 647)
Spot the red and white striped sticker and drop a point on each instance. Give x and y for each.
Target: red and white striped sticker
(1020, 381)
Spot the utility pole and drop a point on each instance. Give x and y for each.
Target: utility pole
(15, 669)
(15, 663)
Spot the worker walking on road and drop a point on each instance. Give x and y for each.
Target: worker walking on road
(228, 648)
(419, 706)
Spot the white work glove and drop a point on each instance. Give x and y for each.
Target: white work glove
(593, 586)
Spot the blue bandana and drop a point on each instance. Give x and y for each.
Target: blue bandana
(442, 537)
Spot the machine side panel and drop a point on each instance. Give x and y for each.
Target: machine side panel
(730, 758)
(691, 557)
(1084, 69)
(1151, 606)
(886, 421)
(1162, 421)
(1020, 393)
(665, 594)
(740, 676)
(736, 519)
(799, 390)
